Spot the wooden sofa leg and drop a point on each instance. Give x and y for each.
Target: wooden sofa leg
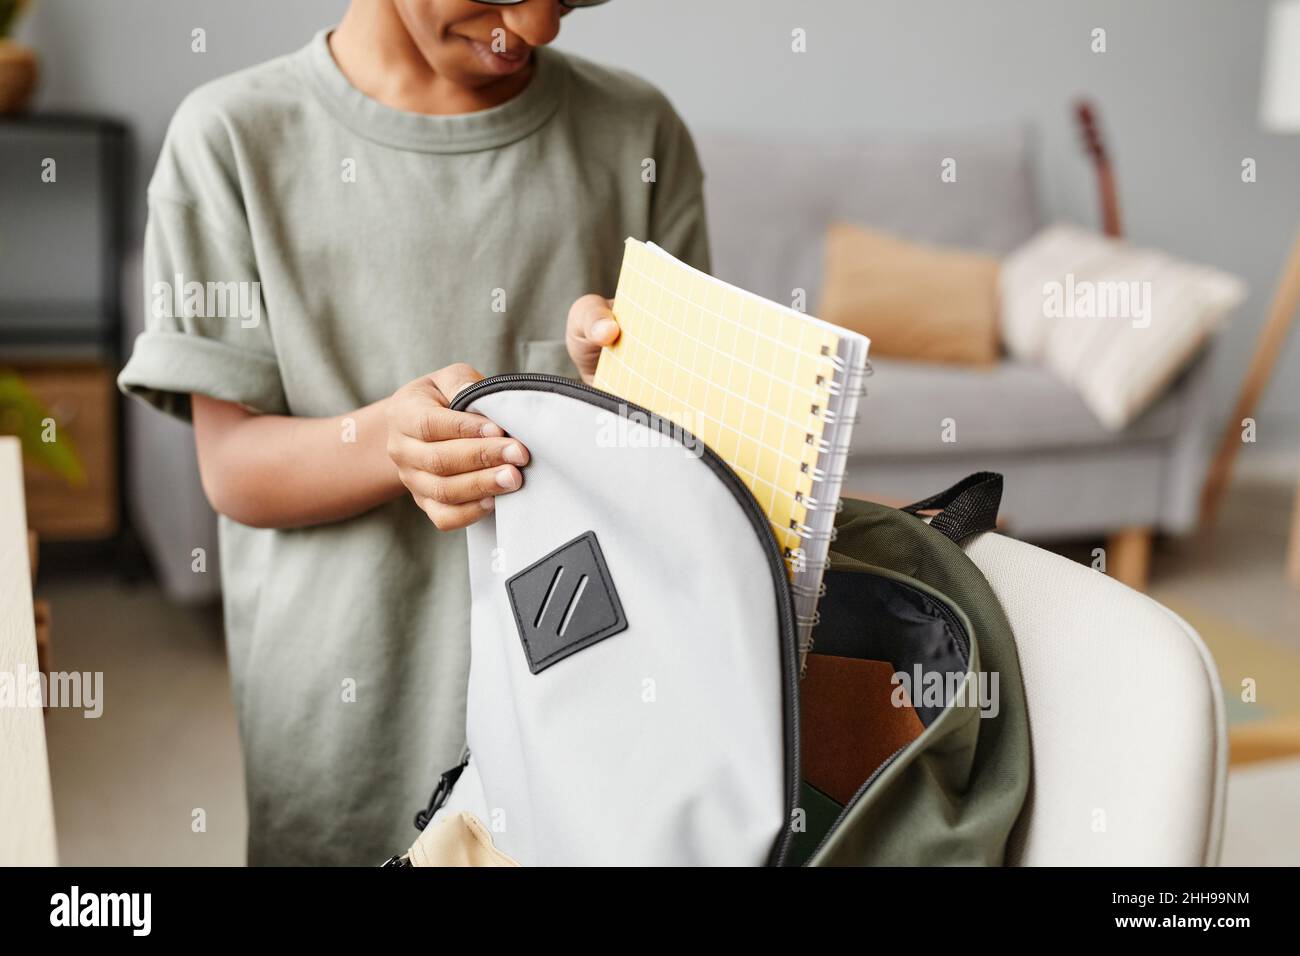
(1293, 547)
(1128, 556)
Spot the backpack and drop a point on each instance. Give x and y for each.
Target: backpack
(635, 695)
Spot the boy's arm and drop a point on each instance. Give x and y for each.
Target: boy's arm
(279, 471)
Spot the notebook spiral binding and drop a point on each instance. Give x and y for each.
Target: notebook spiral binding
(840, 365)
(833, 419)
(835, 388)
(804, 591)
(827, 448)
(812, 534)
(807, 565)
(822, 505)
(819, 504)
(845, 385)
(804, 564)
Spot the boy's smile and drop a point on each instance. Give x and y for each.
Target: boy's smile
(479, 45)
(443, 57)
(502, 60)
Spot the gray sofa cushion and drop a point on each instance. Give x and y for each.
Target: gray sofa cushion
(1013, 405)
(1047, 497)
(771, 200)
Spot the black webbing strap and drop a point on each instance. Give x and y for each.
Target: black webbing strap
(970, 506)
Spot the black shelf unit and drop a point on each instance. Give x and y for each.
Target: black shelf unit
(39, 331)
(113, 140)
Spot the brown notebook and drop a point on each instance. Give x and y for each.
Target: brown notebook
(849, 723)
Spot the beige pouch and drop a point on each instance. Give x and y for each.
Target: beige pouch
(458, 840)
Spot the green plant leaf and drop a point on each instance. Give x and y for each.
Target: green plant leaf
(9, 10)
(23, 415)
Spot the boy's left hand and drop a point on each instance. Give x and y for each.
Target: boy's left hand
(591, 326)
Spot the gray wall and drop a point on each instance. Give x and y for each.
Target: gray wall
(1177, 88)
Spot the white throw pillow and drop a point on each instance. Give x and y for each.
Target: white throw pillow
(1116, 322)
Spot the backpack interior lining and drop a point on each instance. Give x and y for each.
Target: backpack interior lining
(877, 617)
(854, 717)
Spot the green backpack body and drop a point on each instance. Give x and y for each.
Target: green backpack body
(903, 599)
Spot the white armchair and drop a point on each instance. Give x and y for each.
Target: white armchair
(1126, 717)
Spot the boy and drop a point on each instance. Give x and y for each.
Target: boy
(424, 188)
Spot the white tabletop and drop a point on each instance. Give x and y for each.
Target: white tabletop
(26, 810)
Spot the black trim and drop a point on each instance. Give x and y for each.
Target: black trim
(555, 384)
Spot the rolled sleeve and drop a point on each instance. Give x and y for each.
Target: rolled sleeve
(183, 349)
(166, 367)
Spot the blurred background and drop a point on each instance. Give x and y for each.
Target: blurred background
(808, 116)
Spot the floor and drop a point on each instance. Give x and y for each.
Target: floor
(1236, 571)
(157, 778)
(1261, 827)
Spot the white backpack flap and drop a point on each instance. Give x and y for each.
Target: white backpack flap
(632, 690)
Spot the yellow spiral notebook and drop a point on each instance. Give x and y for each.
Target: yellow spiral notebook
(773, 391)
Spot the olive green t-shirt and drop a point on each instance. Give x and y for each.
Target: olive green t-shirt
(309, 251)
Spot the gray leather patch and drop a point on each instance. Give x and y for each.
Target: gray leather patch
(565, 602)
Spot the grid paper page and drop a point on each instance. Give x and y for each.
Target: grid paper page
(747, 376)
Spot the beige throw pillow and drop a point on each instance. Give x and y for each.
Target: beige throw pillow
(913, 301)
(1116, 322)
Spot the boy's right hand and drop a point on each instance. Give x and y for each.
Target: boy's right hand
(453, 463)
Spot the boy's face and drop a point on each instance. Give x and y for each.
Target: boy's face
(476, 44)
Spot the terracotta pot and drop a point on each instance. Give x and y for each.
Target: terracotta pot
(18, 70)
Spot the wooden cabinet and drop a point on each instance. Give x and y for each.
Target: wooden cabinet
(82, 400)
(61, 250)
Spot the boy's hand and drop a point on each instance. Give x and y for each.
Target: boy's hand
(453, 463)
(591, 326)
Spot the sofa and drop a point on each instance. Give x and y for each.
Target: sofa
(770, 202)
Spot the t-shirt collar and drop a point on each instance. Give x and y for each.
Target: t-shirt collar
(463, 133)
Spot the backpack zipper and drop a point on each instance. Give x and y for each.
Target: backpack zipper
(854, 800)
(536, 381)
